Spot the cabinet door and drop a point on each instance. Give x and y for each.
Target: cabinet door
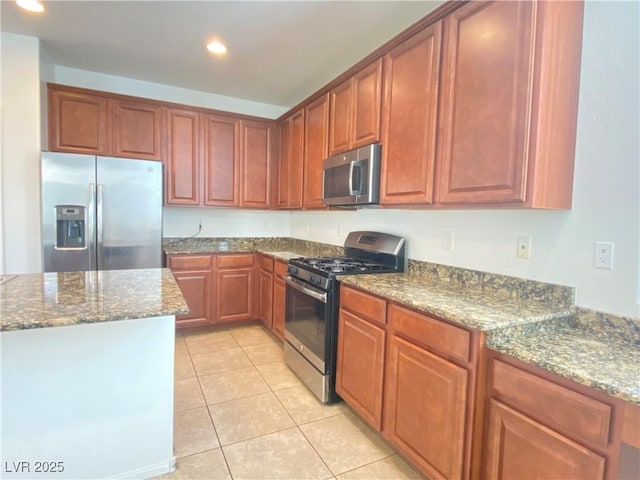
(367, 100)
(221, 160)
(486, 92)
(340, 118)
(137, 129)
(234, 295)
(409, 121)
(316, 135)
(296, 159)
(283, 164)
(360, 366)
(279, 306)
(182, 166)
(424, 410)
(77, 123)
(196, 288)
(265, 309)
(255, 153)
(519, 447)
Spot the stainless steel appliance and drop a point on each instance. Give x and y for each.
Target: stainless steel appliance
(352, 178)
(312, 300)
(100, 213)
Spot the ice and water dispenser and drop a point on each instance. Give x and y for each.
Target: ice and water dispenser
(70, 227)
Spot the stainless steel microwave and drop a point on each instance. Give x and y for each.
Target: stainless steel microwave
(352, 178)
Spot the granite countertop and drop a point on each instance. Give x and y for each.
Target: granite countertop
(58, 299)
(584, 353)
(469, 306)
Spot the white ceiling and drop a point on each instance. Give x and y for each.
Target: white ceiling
(279, 52)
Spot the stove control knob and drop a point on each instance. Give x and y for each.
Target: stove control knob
(315, 280)
(293, 270)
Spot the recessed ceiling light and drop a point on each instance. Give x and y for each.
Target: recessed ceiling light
(31, 5)
(216, 47)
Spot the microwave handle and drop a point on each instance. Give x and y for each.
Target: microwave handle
(353, 190)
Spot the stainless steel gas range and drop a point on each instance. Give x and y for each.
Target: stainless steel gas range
(312, 300)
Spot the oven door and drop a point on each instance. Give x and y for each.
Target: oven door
(307, 321)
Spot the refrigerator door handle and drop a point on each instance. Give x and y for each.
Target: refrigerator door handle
(100, 224)
(91, 227)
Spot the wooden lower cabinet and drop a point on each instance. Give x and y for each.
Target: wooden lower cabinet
(234, 287)
(360, 367)
(194, 276)
(519, 447)
(279, 298)
(265, 291)
(425, 405)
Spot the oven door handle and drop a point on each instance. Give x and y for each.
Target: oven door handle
(298, 285)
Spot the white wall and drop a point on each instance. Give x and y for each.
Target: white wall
(183, 222)
(605, 202)
(20, 177)
(138, 88)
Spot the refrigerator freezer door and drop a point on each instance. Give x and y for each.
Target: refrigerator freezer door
(68, 212)
(129, 213)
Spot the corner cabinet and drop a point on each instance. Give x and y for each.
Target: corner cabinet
(290, 173)
(509, 94)
(411, 78)
(355, 108)
(543, 426)
(316, 133)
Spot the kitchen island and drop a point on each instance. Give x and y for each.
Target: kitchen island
(87, 373)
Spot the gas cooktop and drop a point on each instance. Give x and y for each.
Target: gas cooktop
(343, 265)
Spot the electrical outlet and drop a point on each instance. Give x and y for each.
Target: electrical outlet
(448, 240)
(603, 255)
(524, 247)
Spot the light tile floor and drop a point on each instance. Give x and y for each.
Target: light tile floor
(240, 413)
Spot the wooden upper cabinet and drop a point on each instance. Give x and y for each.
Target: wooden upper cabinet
(315, 150)
(77, 122)
(509, 103)
(182, 164)
(291, 161)
(220, 138)
(255, 154)
(411, 76)
(355, 107)
(137, 129)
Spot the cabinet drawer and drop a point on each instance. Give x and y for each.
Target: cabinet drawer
(233, 261)
(551, 404)
(190, 262)
(280, 268)
(366, 306)
(436, 334)
(266, 263)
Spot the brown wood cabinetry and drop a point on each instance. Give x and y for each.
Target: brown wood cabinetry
(194, 275)
(411, 77)
(265, 291)
(77, 122)
(221, 160)
(316, 135)
(361, 346)
(182, 164)
(279, 298)
(509, 97)
(355, 108)
(291, 161)
(137, 129)
(542, 426)
(412, 377)
(234, 287)
(255, 153)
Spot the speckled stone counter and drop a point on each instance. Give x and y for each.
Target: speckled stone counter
(585, 349)
(471, 306)
(59, 299)
(278, 247)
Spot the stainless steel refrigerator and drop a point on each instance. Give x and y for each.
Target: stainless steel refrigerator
(100, 213)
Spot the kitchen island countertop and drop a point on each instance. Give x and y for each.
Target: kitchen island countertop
(42, 300)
